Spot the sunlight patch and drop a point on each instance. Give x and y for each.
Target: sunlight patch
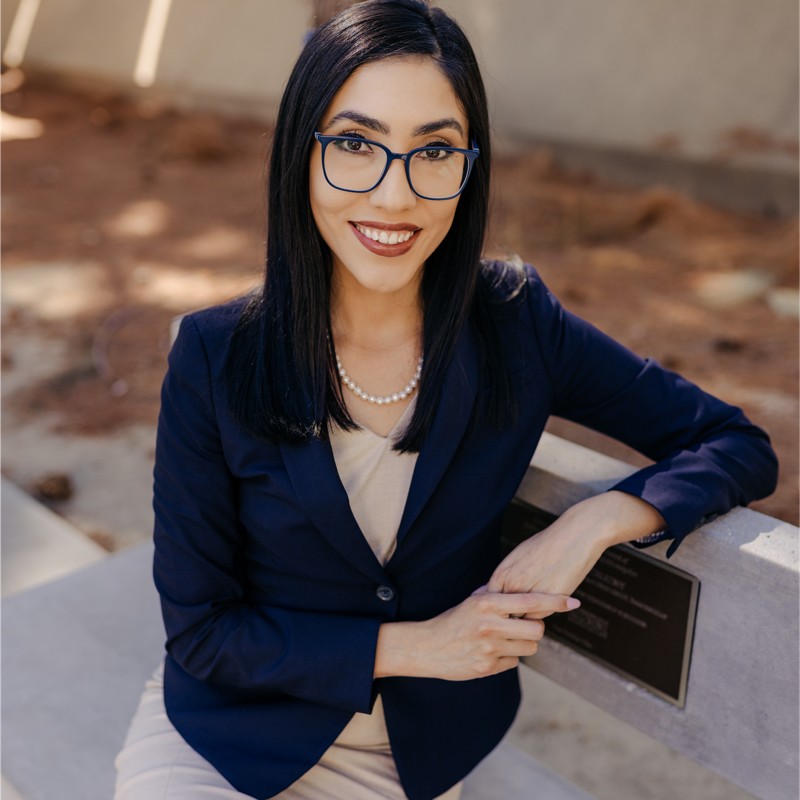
(141, 218)
(144, 73)
(56, 290)
(180, 290)
(12, 128)
(217, 243)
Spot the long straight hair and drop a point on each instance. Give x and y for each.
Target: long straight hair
(281, 368)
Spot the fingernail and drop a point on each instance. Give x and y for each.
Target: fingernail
(573, 603)
(480, 590)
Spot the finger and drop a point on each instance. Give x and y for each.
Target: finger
(507, 662)
(530, 603)
(519, 648)
(538, 615)
(496, 583)
(480, 590)
(529, 630)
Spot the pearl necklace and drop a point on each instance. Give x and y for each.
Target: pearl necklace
(406, 391)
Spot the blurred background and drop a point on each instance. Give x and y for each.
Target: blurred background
(646, 163)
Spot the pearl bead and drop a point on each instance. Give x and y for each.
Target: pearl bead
(407, 390)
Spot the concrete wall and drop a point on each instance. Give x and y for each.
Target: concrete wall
(235, 52)
(647, 76)
(627, 73)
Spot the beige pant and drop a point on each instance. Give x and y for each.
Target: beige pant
(156, 764)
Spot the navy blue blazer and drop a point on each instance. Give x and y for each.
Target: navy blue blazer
(272, 598)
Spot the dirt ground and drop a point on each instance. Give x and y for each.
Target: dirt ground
(119, 215)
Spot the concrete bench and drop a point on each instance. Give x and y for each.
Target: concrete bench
(77, 650)
(741, 713)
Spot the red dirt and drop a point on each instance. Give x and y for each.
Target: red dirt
(157, 212)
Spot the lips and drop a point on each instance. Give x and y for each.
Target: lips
(386, 239)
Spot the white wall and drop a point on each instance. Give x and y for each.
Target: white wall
(627, 73)
(237, 51)
(617, 73)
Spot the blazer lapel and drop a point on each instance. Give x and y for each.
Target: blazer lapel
(447, 430)
(315, 480)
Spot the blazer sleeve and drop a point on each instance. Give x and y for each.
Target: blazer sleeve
(708, 456)
(213, 632)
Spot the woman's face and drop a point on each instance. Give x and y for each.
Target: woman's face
(403, 104)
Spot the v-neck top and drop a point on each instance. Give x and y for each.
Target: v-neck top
(376, 479)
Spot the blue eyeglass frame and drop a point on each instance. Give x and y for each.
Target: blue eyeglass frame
(470, 155)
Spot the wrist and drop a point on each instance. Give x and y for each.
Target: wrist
(397, 648)
(627, 518)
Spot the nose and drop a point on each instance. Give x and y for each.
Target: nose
(393, 193)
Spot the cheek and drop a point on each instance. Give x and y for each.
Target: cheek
(326, 202)
(445, 214)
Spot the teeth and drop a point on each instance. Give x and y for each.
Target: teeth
(385, 237)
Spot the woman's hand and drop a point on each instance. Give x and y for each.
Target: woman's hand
(558, 558)
(485, 634)
(501, 623)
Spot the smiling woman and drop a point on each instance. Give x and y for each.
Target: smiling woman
(336, 451)
(357, 225)
(380, 236)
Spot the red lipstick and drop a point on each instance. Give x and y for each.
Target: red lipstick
(384, 238)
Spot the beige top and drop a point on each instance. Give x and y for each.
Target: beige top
(377, 480)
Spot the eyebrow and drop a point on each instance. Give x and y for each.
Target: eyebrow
(359, 119)
(437, 125)
(376, 125)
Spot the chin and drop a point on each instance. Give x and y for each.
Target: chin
(382, 278)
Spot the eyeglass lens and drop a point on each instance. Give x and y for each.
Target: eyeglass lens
(356, 165)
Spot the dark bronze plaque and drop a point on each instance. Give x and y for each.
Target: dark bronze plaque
(637, 613)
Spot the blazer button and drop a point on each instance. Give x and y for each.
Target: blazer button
(385, 593)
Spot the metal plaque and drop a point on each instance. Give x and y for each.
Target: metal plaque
(637, 613)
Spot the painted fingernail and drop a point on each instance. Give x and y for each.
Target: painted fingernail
(573, 603)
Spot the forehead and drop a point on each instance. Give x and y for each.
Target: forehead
(400, 92)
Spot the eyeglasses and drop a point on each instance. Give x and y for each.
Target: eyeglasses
(353, 164)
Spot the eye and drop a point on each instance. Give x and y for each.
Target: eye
(353, 144)
(433, 153)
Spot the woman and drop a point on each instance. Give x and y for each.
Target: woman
(334, 455)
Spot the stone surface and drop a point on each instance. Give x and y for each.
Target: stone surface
(122, 513)
(511, 774)
(37, 545)
(7, 791)
(743, 681)
(76, 654)
(605, 756)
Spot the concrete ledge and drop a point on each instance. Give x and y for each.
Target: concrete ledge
(76, 654)
(510, 774)
(7, 791)
(743, 693)
(38, 545)
(756, 185)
